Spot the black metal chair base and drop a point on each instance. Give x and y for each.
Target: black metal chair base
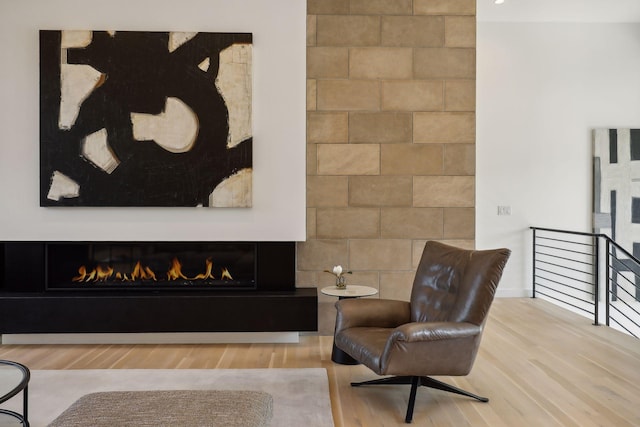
(420, 381)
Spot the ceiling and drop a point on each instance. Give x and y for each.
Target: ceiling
(559, 11)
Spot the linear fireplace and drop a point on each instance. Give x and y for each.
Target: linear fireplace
(150, 265)
(106, 287)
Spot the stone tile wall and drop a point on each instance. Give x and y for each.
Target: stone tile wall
(390, 139)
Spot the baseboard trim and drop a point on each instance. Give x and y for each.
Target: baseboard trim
(155, 338)
(513, 293)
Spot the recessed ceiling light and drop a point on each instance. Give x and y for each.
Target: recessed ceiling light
(499, 1)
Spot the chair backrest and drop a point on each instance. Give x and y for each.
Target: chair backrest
(454, 284)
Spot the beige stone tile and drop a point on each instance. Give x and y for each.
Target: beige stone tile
(327, 191)
(460, 243)
(444, 191)
(348, 95)
(323, 127)
(380, 255)
(306, 279)
(417, 247)
(444, 127)
(411, 159)
(312, 159)
(460, 31)
(381, 7)
(380, 63)
(311, 30)
(460, 95)
(348, 31)
(413, 31)
(311, 223)
(348, 159)
(322, 298)
(364, 278)
(412, 95)
(327, 62)
(444, 63)
(444, 7)
(318, 254)
(380, 190)
(311, 95)
(459, 159)
(330, 7)
(459, 223)
(380, 127)
(336, 223)
(396, 285)
(411, 223)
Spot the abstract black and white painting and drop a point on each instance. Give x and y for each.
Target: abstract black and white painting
(616, 193)
(133, 118)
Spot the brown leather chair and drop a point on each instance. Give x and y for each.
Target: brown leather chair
(437, 333)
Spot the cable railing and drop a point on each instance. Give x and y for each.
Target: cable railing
(569, 268)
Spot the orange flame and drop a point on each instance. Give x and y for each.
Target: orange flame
(82, 271)
(98, 274)
(140, 272)
(226, 274)
(208, 272)
(175, 272)
(103, 273)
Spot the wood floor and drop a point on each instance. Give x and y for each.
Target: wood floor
(539, 365)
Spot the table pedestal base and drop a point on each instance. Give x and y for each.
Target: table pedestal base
(339, 356)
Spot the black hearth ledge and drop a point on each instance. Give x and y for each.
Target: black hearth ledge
(137, 312)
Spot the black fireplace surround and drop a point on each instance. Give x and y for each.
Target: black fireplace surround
(118, 287)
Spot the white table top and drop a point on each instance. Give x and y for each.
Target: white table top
(351, 291)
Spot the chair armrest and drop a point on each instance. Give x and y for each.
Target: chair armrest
(379, 313)
(434, 331)
(430, 348)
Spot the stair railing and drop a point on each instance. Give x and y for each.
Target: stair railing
(567, 270)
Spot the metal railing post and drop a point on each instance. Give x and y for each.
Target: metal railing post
(596, 272)
(534, 265)
(608, 281)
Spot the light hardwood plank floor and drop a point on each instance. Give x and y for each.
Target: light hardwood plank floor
(540, 366)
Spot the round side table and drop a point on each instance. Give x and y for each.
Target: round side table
(14, 378)
(351, 291)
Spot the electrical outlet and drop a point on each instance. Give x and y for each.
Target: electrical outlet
(504, 210)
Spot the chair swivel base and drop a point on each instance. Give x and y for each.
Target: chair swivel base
(416, 381)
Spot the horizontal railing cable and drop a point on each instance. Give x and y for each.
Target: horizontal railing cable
(564, 267)
(565, 241)
(560, 283)
(564, 250)
(561, 292)
(565, 258)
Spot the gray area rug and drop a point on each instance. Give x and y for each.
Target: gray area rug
(300, 396)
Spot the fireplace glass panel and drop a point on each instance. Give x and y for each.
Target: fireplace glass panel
(150, 265)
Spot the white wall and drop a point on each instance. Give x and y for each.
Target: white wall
(279, 191)
(541, 89)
